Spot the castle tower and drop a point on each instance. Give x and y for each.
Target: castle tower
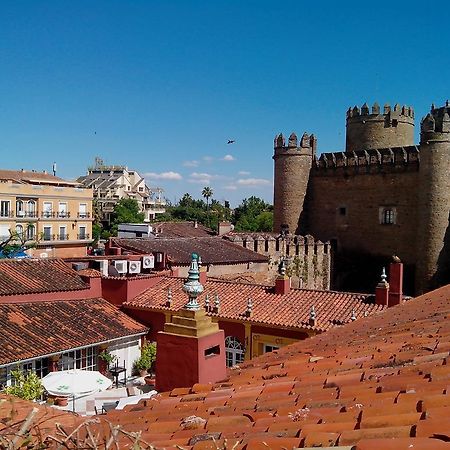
(379, 128)
(433, 257)
(291, 174)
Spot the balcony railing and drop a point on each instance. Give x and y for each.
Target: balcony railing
(63, 215)
(48, 237)
(62, 237)
(83, 215)
(48, 214)
(6, 214)
(82, 236)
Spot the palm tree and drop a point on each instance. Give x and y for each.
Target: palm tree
(207, 192)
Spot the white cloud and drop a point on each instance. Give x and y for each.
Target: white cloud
(228, 158)
(163, 176)
(253, 182)
(200, 177)
(192, 163)
(243, 173)
(208, 158)
(230, 187)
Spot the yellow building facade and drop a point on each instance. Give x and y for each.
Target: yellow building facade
(54, 213)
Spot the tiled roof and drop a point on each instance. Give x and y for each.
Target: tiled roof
(382, 382)
(170, 230)
(30, 176)
(213, 250)
(289, 310)
(34, 329)
(90, 273)
(32, 276)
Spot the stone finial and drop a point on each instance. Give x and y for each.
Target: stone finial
(192, 286)
(207, 302)
(305, 142)
(293, 141)
(217, 303)
(199, 262)
(446, 122)
(312, 313)
(397, 107)
(428, 123)
(365, 109)
(279, 140)
(446, 103)
(249, 310)
(376, 108)
(169, 297)
(282, 267)
(387, 108)
(353, 317)
(349, 112)
(383, 275)
(355, 111)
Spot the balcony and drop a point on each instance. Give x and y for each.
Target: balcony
(63, 215)
(83, 215)
(48, 237)
(62, 237)
(82, 236)
(6, 214)
(48, 214)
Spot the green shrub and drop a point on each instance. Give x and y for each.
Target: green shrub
(27, 386)
(147, 358)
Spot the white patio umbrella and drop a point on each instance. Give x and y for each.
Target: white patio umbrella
(75, 382)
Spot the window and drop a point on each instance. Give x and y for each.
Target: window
(387, 216)
(5, 210)
(62, 210)
(342, 211)
(85, 359)
(31, 232)
(31, 209)
(270, 348)
(19, 229)
(20, 212)
(62, 234)
(82, 232)
(234, 351)
(47, 235)
(47, 209)
(82, 210)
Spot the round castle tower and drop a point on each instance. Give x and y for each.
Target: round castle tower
(292, 168)
(394, 127)
(433, 253)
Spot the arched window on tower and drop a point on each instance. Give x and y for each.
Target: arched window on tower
(234, 351)
(388, 215)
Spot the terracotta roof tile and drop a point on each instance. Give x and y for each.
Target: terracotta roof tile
(391, 404)
(292, 309)
(171, 230)
(34, 329)
(27, 176)
(32, 276)
(213, 250)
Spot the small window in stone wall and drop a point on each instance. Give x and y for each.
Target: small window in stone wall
(212, 351)
(388, 215)
(342, 211)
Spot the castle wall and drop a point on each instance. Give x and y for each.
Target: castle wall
(348, 205)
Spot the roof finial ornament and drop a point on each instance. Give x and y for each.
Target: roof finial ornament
(217, 303)
(353, 318)
(312, 313)
(282, 267)
(193, 287)
(169, 297)
(383, 275)
(249, 307)
(207, 302)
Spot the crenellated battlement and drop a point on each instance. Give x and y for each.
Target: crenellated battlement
(364, 111)
(437, 120)
(306, 143)
(367, 161)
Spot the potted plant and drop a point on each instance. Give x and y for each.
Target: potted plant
(146, 360)
(108, 357)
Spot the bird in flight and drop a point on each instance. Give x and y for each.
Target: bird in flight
(231, 141)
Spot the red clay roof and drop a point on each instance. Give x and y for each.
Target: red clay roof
(28, 176)
(170, 230)
(32, 276)
(382, 382)
(31, 330)
(289, 310)
(213, 250)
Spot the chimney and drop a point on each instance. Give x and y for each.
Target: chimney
(382, 290)
(191, 341)
(224, 228)
(395, 282)
(282, 282)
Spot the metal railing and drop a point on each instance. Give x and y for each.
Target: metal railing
(62, 237)
(82, 236)
(83, 215)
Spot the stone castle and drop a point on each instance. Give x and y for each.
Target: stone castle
(382, 196)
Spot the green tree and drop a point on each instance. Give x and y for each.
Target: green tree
(126, 210)
(253, 214)
(207, 193)
(17, 242)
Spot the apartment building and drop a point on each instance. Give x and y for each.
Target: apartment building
(56, 213)
(113, 183)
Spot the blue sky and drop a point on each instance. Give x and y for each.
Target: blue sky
(161, 86)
